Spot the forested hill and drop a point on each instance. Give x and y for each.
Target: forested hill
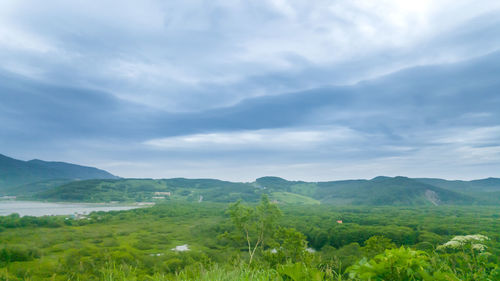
(59, 181)
(14, 173)
(488, 185)
(400, 191)
(377, 191)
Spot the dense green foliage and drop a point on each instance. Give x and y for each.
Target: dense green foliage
(376, 243)
(256, 225)
(486, 191)
(137, 190)
(15, 173)
(58, 181)
(29, 189)
(483, 185)
(400, 191)
(388, 191)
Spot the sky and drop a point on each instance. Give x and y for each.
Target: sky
(235, 90)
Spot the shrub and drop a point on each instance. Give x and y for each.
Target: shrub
(13, 253)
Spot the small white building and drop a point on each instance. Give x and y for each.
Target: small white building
(163, 193)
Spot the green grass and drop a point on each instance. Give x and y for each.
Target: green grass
(124, 245)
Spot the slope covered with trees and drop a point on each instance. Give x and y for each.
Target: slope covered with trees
(58, 181)
(378, 191)
(128, 190)
(15, 173)
(389, 191)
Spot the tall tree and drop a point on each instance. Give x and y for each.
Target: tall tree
(256, 224)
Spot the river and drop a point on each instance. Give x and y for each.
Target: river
(33, 208)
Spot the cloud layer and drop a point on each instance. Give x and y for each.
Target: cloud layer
(238, 89)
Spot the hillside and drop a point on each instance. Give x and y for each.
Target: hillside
(482, 185)
(58, 181)
(487, 191)
(35, 175)
(35, 187)
(378, 191)
(144, 190)
(389, 191)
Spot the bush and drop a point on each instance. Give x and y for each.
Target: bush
(13, 253)
(394, 264)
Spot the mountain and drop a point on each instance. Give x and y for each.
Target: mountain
(144, 190)
(389, 191)
(482, 185)
(485, 190)
(61, 181)
(35, 175)
(378, 191)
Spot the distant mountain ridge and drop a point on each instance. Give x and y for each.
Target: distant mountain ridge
(59, 181)
(488, 184)
(399, 191)
(14, 173)
(377, 191)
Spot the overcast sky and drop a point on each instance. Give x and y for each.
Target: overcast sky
(235, 90)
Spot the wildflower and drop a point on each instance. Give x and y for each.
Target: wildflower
(479, 247)
(460, 241)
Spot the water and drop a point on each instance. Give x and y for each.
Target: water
(38, 209)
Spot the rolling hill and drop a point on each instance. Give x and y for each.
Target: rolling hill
(145, 189)
(389, 191)
(482, 185)
(36, 175)
(377, 191)
(59, 181)
(487, 191)
(401, 191)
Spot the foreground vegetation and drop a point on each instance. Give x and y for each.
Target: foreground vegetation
(263, 241)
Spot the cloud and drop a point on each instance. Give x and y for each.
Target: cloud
(276, 139)
(197, 55)
(271, 86)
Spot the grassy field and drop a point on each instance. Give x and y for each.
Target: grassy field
(137, 244)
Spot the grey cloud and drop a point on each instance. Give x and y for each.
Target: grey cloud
(203, 41)
(408, 100)
(95, 83)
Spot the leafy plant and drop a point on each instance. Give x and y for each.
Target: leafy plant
(394, 264)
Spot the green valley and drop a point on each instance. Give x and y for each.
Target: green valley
(304, 243)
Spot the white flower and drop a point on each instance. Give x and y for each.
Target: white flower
(453, 244)
(478, 237)
(479, 247)
(460, 241)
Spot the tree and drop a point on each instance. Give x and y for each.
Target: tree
(376, 245)
(292, 245)
(289, 246)
(256, 224)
